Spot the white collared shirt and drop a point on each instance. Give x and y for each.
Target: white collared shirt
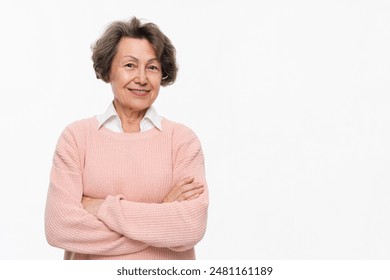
(110, 119)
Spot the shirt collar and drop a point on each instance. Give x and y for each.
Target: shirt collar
(151, 117)
(109, 113)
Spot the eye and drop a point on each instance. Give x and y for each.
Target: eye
(130, 65)
(153, 68)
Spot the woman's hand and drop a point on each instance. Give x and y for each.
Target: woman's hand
(184, 190)
(91, 205)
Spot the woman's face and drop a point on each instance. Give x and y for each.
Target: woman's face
(135, 74)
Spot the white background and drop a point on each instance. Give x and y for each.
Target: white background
(290, 100)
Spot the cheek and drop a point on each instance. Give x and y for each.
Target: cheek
(119, 82)
(156, 91)
(114, 86)
(156, 85)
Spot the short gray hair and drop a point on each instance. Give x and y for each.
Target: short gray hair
(105, 48)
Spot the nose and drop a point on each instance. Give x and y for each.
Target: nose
(141, 77)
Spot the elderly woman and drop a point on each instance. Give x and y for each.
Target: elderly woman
(128, 184)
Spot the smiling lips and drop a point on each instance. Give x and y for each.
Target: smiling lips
(139, 92)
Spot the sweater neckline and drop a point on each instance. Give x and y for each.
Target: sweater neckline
(130, 136)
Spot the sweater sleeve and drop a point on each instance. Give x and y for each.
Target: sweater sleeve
(176, 225)
(67, 224)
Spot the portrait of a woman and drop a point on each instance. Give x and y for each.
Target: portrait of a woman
(128, 183)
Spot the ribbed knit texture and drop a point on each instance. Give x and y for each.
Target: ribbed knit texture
(133, 172)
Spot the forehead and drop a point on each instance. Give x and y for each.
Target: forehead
(138, 48)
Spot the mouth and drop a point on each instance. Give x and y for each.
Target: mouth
(138, 92)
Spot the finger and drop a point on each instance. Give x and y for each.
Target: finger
(193, 197)
(178, 190)
(183, 186)
(186, 191)
(189, 198)
(190, 194)
(189, 187)
(185, 181)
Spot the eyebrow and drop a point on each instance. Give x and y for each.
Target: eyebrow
(136, 59)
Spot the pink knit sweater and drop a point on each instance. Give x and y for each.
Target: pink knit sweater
(133, 172)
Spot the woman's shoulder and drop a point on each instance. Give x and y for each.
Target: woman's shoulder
(175, 127)
(179, 131)
(79, 128)
(82, 124)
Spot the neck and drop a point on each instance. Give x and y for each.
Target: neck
(130, 119)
